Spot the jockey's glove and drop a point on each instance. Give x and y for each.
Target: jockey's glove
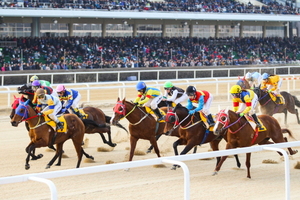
(242, 114)
(269, 91)
(191, 112)
(40, 114)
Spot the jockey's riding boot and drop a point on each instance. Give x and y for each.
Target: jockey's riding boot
(277, 100)
(77, 112)
(59, 125)
(257, 122)
(210, 120)
(158, 114)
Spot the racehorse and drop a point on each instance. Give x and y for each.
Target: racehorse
(192, 131)
(142, 125)
(95, 114)
(243, 83)
(43, 135)
(269, 107)
(241, 134)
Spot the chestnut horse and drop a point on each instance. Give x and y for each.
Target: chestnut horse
(269, 107)
(43, 135)
(241, 134)
(142, 125)
(192, 131)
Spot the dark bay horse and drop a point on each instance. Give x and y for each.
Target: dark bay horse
(269, 107)
(243, 83)
(241, 134)
(142, 125)
(192, 131)
(43, 135)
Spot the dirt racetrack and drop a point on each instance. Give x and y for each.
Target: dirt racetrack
(145, 182)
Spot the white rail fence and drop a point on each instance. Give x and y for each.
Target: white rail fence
(44, 177)
(290, 82)
(120, 75)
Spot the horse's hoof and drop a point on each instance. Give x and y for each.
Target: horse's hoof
(47, 166)
(215, 173)
(112, 144)
(27, 166)
(91, 157)
(57, 164)
(174, 167)
(148, 151)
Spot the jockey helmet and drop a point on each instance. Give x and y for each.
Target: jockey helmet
(60, 88)
(33, 78)
(36, 83)
(248, 76)
(40, 93)
(168, 84)
(265, 76)
(235, 89)
(141, 86)
(191, 90)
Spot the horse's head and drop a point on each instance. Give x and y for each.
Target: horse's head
(26, 89)
(21, 112)
(243, 83)
(224, 120)
(119, 111)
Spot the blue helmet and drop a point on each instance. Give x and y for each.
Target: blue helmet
(140, 85)
(265, 76)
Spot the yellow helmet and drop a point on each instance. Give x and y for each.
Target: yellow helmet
(235, 89)
(33, 78)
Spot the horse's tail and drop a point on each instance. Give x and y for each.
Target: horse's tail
(107, 120)
(297, 102)
(93, 123)
(285, 130)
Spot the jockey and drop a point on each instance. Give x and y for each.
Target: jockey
(177, 94)
(272, 83)
(152, 97)
(203, 99)
(49, 105)
(254, 79)
(71, 99)
(35, 85)
(248, 100)
(43, 82)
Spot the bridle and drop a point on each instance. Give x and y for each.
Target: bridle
(223, 118)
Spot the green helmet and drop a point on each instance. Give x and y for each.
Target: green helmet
(168, 84)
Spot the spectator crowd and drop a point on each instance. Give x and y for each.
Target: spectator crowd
(64, 53)
(210, 6)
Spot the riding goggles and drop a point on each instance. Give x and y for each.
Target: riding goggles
(41, 96)
(190, 94)
(236, 95)
(167, 88)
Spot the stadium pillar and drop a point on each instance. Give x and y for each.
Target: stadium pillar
(134, 27)
(264, 30)
(191, 29)
(35, 27)
(163, 30)
(216, 31)
(241, 31)
(286, 30)
(103, 26)
(71, 29)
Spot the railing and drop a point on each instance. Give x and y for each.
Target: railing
(161, 73)
(43, 177)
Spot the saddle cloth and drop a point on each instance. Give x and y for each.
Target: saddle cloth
(52, 123)
(279, 96)
(253, 124)
(85, 116)
(150, 111)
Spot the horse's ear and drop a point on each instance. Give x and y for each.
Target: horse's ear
(118, 99)
(15, 97)
(239, 77)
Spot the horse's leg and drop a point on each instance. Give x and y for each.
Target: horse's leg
(155, 146)
(59, 159)
(87, 155)
(248, 164)
(151, 147)
(29, 149)
(109, 142)
(57, 153)
(133, 142)
(297, 115)
(223, 158)
(175, 145)
(195, 149)
(32, 154)
(285, 116)
(291, 151)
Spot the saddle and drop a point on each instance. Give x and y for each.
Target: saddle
(150, 111)
(52, 123)
(253, 124)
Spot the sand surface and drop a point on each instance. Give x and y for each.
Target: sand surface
(150, 182)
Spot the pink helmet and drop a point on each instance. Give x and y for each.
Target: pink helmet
(60, 88)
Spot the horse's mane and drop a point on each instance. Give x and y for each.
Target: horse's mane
(179, 106)
(25, 89)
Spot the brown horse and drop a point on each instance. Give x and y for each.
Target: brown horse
(142, 125)
(243, 83)
(241, 134)
(192, 131)
(95, 114)
(269, 107)
(43, 135)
